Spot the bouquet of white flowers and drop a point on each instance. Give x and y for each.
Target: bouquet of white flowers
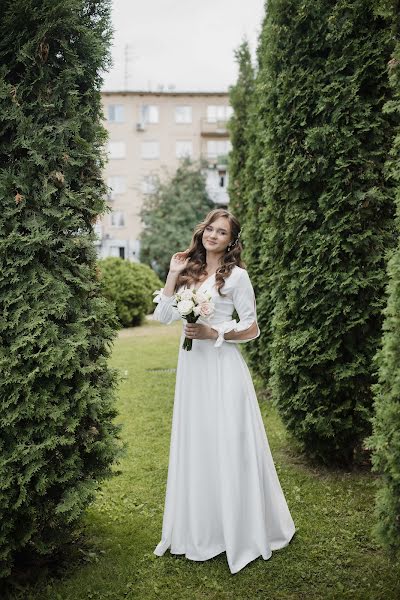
(191, 304)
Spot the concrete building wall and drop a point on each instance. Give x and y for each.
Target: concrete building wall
(144, 139)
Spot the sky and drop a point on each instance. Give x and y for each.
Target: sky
(188, 44)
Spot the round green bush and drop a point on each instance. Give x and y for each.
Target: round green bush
(130, 287)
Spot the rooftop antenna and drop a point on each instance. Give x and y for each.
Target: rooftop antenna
(129, 57)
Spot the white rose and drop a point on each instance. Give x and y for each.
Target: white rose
(206, 309)
(186, 295)
(196, 310)
(185, 307)
(201, 297)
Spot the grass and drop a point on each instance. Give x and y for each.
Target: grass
(331, 556)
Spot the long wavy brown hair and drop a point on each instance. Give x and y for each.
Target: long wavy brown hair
(197, 266)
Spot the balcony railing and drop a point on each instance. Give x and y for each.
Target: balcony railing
(219, 128)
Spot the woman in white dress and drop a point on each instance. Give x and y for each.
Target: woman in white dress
(223, 492)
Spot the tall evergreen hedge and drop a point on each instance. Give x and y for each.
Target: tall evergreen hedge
(385, 440)
(57, 437)
(256, 221)
(240, 96)
(246, 195)
(245, 185)
(329, 213)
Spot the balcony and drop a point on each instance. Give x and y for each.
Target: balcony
(98, 231)
(214, 129)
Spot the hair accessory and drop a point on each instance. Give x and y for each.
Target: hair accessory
(230, 246)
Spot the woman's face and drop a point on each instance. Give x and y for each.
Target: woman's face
(217, 235)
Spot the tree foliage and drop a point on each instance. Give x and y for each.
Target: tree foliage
(255, 221)
(130, 287)
(170, 214)
(325, 220)
(385, 440)
(240, 96)
(57, 436)
(246, 194)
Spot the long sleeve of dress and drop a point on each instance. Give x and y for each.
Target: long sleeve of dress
(245, 304)
(165, 312)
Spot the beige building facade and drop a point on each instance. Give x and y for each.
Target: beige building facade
(149, 134)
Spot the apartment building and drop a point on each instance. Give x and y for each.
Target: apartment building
(149, 133)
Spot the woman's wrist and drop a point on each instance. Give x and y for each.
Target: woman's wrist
(213, 334)
(170, 283)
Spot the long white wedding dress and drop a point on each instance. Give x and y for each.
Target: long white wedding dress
(223, 492)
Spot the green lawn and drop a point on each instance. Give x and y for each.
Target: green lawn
(331, 556)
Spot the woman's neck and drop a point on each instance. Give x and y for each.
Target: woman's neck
(213, 261)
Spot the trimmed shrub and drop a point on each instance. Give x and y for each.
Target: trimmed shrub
(58, 439)
(240, 96)
(385, 440)
(255, 223)
(328, 213)
(130, 287)
(151, 281)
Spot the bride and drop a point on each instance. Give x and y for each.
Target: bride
(223, 492)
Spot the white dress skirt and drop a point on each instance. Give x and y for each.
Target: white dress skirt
(223, 492)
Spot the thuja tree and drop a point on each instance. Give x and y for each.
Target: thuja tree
(385, 440)
(246, 198)
(57, 437)
(170, 214)
(254, 216)
(330, 213)
(240, 96)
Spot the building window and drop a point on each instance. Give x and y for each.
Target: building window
(117, 185)
(117, 251)
(219, 112)
(116, 113)
(149, 184)
(217, 148)
(150, 150)
(116, 149)
(117, 218)
(148, 113)
(183, 148)
(215, 188)
(183, 114)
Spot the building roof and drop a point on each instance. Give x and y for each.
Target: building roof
(161, 93)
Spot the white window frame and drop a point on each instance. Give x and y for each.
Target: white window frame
(116, 113)
(218, 113)
(150, 150)
(116, 150)
(149, 184)
(222, 148)
(149, 114)
(116, 185)
(117, 218)
(183, 148)
(114, 251)
(183, 114)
